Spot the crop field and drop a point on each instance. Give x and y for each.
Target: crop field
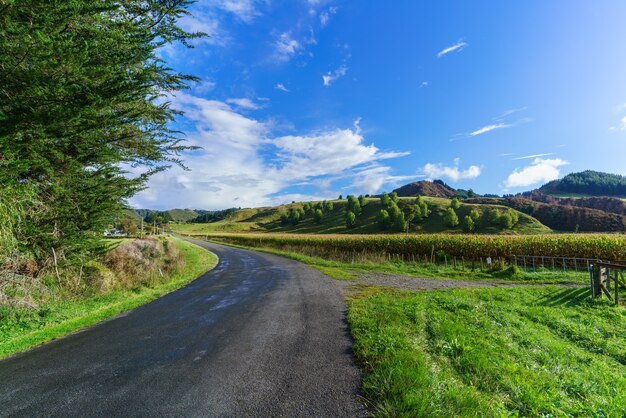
(424, 247)
(550, 352)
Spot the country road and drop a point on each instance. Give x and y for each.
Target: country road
(259, 335)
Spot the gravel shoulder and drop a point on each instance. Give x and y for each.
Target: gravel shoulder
(425, 284)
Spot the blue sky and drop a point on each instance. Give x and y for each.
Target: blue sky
(309, 99)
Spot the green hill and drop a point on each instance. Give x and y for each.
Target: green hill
(268, 219)
(586, 183)
(182, 215)
(176, 215)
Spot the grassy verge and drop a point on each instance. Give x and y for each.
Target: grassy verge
(23, 329)
(346, 270)
(491, 352)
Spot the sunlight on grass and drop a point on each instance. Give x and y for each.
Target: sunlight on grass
(491, 352)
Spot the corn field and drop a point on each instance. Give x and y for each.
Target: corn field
(425, 247)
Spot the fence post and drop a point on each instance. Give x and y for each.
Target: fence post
(616, 287)
(591, 269)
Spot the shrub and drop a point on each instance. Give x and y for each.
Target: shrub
(450, 218)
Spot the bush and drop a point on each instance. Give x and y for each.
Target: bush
(350, 220)
(468, 224)
(384, 222)
(450, 218)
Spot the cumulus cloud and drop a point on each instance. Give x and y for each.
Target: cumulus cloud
(540, 171)
(242, 164)
(453, 173)
(332, 76)
(281, 87)
(452, 48)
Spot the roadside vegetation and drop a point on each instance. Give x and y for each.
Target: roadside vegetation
(134, 272)
(490, 352)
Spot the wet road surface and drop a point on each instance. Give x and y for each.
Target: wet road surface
(259, 335)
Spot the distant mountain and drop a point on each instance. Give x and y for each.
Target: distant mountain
(587, 183)
(435, 188)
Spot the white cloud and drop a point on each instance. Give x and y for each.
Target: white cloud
(244, 103)
(332, 76)
(245, 10)
(371, 179)
(434, 171)
(203, 86)
(456, 47)
(499, 123)
(281, 87)
(423, 84)
(241, 164)
(540, 171)
(622, 123)
(286, 47)
(509, 112)
(325, 15)
(528, 157)
(489, 128)
(203, 21)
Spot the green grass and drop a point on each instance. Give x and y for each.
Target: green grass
(23, 329)
(268, 219)
(491, 352)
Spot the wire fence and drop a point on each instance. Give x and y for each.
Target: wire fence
(534, 262)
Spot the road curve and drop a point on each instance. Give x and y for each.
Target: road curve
(259, 335)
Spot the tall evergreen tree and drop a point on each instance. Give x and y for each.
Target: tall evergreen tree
(81, 84)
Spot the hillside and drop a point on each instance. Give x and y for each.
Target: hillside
(563, 218)
(587, 183)
(267, 219)
(606, 204)
(176, 215)
(426, 188)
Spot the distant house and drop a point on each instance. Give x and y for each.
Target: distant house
(115, 233)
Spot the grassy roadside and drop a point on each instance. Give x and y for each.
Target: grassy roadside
(491, 352)
(25, 329)
(346, 271)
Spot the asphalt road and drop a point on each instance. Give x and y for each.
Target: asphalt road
(259, 335)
